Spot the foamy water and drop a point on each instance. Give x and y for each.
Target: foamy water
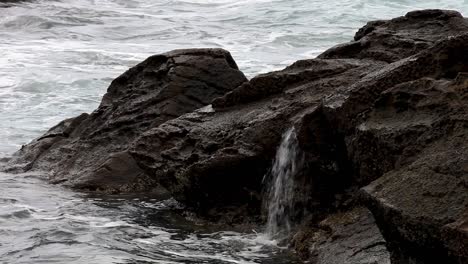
(40, 223)
(57, 59)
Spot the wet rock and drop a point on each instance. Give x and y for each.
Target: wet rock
(269, 84)
(345, 237)
(89, 151)
(423, 196)
(213, 159)
(392, 122)
(398, 38)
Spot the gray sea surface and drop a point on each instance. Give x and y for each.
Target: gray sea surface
(57, 58)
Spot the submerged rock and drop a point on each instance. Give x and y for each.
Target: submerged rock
(381, 122)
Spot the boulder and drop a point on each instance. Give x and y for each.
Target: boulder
(89, 151)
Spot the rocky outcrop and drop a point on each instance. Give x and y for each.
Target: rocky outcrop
(424, 124)
(89, 151)
(407, 142)
(211, 159)
(399, 38)
(381, 122)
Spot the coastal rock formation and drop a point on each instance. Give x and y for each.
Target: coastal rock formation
(217, 158)
(424, 123)
(382, 122)
(89, 151)
(401, 37)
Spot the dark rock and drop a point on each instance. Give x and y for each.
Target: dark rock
(299, 73)
(212, 159)
(387, 120)
(392, 40)
(424, 195)
(345, 237)
(89, 151)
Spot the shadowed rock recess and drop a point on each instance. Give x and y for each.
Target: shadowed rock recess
(382, 122)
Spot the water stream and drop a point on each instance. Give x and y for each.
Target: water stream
(280, 185)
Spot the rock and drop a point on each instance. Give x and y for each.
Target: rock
(299, 73)
(89, 151)
(386, 119)
(345, 237)
(393, 40)
(423, 196)
(386, 113)
(406, 122)
(213, 159)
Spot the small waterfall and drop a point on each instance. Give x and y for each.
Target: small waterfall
(280, 185)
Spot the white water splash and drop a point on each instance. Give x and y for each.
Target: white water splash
(288, 162)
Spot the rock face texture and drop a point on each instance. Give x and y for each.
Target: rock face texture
(382, 122)
(425, 195)
(343, 237)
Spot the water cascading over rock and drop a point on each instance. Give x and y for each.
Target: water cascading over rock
(280, 185)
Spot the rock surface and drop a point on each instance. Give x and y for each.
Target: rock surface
(382, 122)
(343, 237)
(426, 194)
(211, 159)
